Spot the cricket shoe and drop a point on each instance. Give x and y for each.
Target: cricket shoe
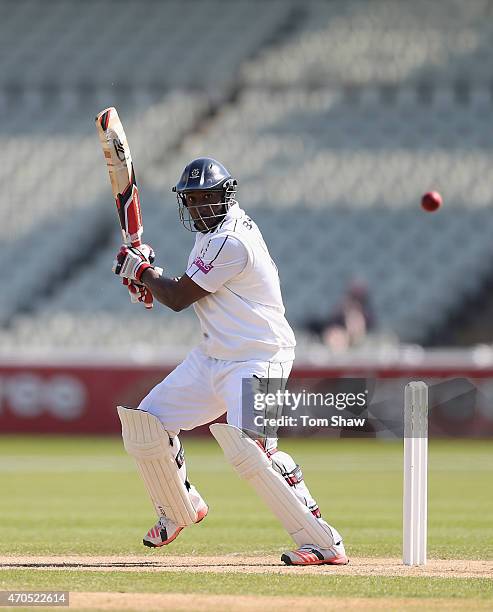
(166, 530)
(314, 555)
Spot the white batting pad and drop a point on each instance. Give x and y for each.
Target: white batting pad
(161, 465)
(252, 464)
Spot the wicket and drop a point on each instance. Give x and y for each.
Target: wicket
(415, 474)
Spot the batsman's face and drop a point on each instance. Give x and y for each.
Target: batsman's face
(204, 208)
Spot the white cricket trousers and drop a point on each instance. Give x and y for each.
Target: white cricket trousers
(202, 388)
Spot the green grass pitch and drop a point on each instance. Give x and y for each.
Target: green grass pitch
(83, 496)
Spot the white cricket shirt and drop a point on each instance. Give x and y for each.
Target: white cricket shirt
(243, 317)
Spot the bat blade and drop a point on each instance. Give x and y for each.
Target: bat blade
(122, 175)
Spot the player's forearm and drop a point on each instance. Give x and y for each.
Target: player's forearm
(165, 290)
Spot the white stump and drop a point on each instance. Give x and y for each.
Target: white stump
(415, 507)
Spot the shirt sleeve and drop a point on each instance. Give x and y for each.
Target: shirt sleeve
(224, 258)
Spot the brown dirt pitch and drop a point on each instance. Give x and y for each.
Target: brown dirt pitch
(371, 566)
(239, 564)
(251, 603)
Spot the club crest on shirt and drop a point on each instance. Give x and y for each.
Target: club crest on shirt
(202, 266)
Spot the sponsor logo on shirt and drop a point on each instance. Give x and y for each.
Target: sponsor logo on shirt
(206, 268)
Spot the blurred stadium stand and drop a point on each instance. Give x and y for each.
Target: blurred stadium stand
(361, 42)
(334, 117)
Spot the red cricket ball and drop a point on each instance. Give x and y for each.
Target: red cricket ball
(431, 201)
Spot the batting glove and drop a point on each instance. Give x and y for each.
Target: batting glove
(132, 262)
(140, 293)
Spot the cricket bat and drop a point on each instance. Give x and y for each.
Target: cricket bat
(122, 176)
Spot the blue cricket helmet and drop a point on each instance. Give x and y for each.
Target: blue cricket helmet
(205, 174)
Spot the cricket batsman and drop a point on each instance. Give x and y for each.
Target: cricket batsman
(233, 285)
